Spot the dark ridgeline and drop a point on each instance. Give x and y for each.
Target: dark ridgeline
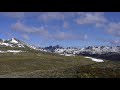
(115, 56)
(88, 51)
(52, 48)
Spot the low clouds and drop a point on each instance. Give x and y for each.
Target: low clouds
(45, 33)
(20, 27)
(65, 25)
(114, 29)
(67, 21)
(25, 36)
(115, 42)
(16, 15)
(99, 20)
(91, 18)
(110, 41)
(47, 16)
(69, 36)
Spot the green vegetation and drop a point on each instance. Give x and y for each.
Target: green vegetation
(25, 48)
(35, 64)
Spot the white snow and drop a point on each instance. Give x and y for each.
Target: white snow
(14, 41)
(67, 54)
(61, 54)
(93, 50)
(59, 50)
(6, 44)
(15, 51)
(96, 60)
(32, 47)
(2, 51)
(20, 45)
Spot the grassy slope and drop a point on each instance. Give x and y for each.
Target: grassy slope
(38, 64)
(32, 61)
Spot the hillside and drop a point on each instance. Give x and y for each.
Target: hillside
(15, 45)
(31, 62)
(47, 65)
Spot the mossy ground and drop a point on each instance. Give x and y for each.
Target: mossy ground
(35, 64)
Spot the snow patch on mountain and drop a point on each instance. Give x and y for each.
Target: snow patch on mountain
(67, 54)
(103, 52)
(6, 44)
(2, 51)
(14, 41)
(13, 51)
(59, 50)
(90, 50)
(94, 59)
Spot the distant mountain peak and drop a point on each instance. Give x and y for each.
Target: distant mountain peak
(14, 40)
(16, 43)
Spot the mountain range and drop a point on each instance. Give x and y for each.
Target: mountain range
(103, 52)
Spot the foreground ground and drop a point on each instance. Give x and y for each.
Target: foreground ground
(46, 65)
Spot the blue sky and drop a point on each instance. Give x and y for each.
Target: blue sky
(74, 29)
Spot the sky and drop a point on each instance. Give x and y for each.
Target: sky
(67, 29)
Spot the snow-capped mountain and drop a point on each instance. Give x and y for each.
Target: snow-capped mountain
(13, 44)
(90, 49)
(105, 52)
(13, 40)
(53, 48)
